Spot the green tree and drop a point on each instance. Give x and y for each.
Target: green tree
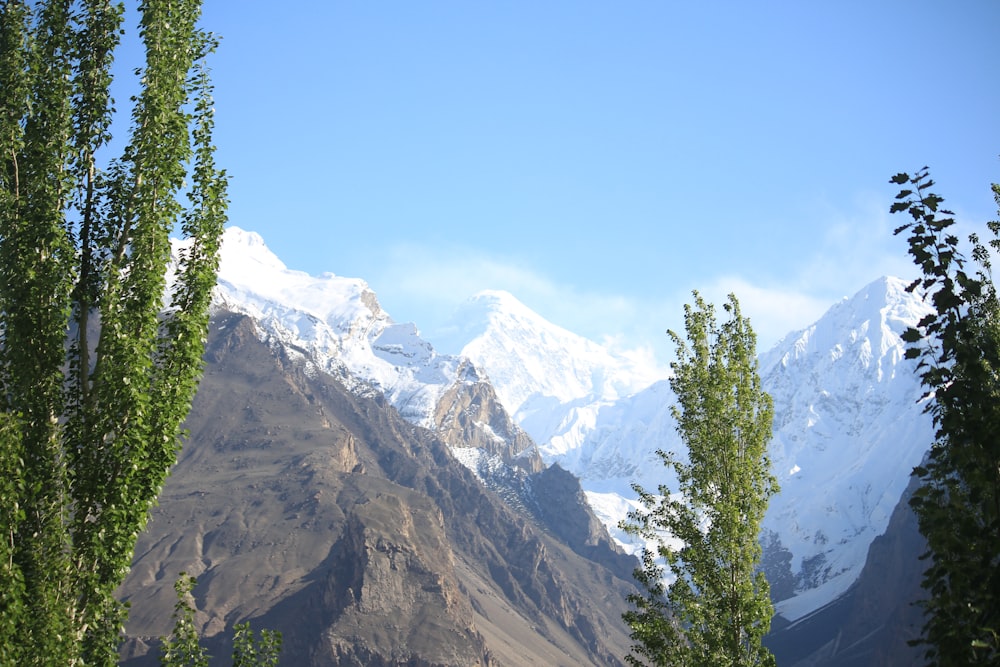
(183, 647)
(958, 502)
(718, 609)
(255, 651)
(98, 364)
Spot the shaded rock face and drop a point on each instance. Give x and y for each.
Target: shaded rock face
(387, 593)
(871, 624)
(884, 615)
(561, 506)
(304, 508)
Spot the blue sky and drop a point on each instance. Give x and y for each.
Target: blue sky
(600, 160)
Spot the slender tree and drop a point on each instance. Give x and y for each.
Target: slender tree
(958, 502)
(183, 647)
(99, 359)
(718, 609)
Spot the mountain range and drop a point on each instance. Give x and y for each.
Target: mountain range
(490, 483)
(848, 428)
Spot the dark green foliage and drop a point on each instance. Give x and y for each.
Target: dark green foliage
(718, 609)
(958, 503)
(96, 378)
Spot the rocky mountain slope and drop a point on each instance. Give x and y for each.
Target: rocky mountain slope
(848, 428)
(318, 511)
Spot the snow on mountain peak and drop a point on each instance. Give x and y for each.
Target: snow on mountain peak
(500, 300)
(864, 328)
(848, 430)
(848, 427)
(541, 371)
(334, 322)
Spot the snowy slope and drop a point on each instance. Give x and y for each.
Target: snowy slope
(552, 381)
(848, 431)
(335, 323)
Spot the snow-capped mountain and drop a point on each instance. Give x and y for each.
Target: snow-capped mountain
(336, 326)
(849, 427)
(847, 431)
(334, 323)
(552, 381)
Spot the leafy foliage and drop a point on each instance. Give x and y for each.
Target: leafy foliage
(718, 609)
(249, 651)
(183, 649)
(95, 378)
(958, 503)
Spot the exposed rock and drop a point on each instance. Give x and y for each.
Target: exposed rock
(311, 510)
(562, 507)
(469, 414)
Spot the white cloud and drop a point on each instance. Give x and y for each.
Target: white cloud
(773, 311)
(425, 283)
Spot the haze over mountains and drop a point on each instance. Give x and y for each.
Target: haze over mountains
(522, 396)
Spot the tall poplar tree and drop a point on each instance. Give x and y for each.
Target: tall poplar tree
(958, 502)
(99, 360)
(718, 608)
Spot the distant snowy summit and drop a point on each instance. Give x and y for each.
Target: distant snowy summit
(550, 379)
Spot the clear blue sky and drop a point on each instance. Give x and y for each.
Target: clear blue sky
(602, 159)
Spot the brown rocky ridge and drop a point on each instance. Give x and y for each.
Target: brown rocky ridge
(319, 512)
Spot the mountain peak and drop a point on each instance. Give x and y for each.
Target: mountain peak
(543, 372)
(249, 271)
(867, 325)
(881, 297)
(240, 245)
(848, 429)
(335, 323)
(496, 296)
(499, 308)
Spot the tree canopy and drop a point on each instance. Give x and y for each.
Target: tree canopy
(958, 502)
(718, 608)
(99, 360)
